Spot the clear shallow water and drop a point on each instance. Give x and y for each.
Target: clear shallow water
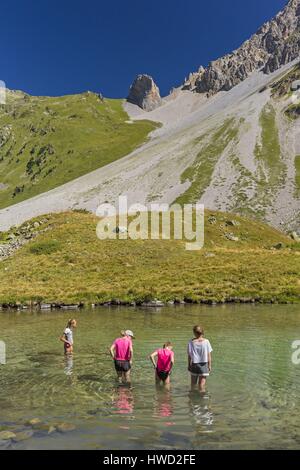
(252, 398)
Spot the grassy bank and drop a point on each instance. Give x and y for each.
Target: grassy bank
(46, 141)
(66, 262)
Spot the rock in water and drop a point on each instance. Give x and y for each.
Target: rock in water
(65, 427)
(4, 444)
(22, 436)
(6, 435)
(33, 422)
(275, 44)
(144, 93)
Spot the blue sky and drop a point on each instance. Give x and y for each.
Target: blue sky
(69, 46)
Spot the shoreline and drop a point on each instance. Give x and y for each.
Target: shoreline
(41, 306)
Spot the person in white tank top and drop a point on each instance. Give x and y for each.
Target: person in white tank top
(67, 336)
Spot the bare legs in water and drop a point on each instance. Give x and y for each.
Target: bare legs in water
(199, 380)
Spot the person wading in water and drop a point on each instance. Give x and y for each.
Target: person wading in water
(199, 358)
(122, 353)
(67, 337)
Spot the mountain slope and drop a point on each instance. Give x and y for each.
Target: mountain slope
(275, 44)
(45, 142)
(224, 137)
(234, 151)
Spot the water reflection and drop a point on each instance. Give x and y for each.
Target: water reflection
(163, 403)
(201, 411)
(123, 400)
(69, 363)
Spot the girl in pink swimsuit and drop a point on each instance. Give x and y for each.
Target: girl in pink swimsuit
(163, 361)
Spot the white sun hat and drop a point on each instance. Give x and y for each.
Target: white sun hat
(129, 333)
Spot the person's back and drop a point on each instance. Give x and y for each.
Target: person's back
(164, 359)
(199, 350)
(123, 349)
(122, 352)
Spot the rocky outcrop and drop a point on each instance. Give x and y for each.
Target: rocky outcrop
(144, 93)
(19, 236)
(275, 44)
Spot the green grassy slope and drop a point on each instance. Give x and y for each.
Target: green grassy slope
(45, 142)
(68, 263)
(200, 173)
(268, 154)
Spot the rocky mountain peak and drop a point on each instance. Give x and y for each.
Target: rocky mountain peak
(144, 93)
(275, 44)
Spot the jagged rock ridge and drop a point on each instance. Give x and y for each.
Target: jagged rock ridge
(144, 93)
(275, 44)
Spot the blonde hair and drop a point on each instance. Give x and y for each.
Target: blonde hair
(198, 331)
(70, 322)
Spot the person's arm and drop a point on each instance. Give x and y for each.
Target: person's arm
(209, 361)
(152, 358)
(189, 357)
(63, 338)
(112, 350)
(172, 360)
(131, 354)
(209, 355)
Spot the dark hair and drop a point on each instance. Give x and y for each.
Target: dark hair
(198, 331)
(167, 344)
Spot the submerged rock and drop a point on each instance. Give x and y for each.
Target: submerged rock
(65, 427)
(23, 436)
(6, 435)
(4, 444)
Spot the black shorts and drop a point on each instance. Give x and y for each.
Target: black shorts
(162, 375)
(200, 369)
(122, 366)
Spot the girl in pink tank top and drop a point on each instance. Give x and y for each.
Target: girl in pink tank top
(163, 361)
